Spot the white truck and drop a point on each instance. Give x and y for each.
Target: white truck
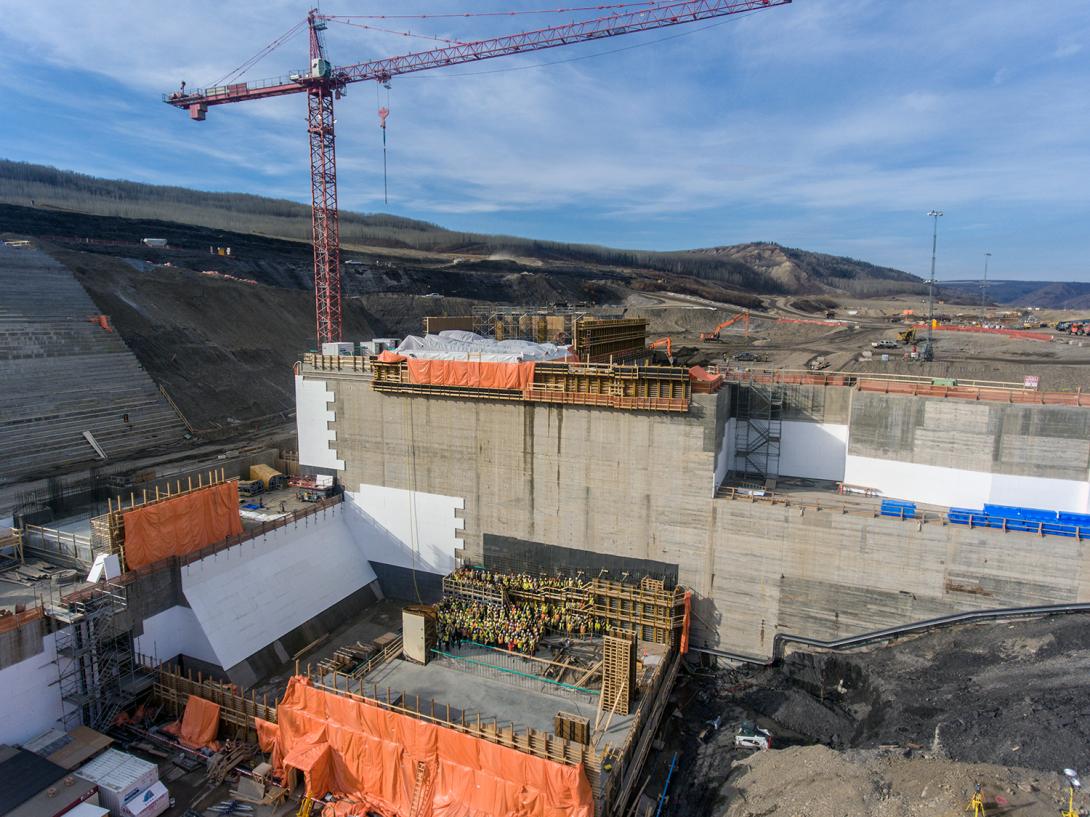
(752, 736)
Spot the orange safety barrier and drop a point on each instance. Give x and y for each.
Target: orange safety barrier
(472, 373)
(704, 381)
(181, 524)
(987, 330)
(199, 725)
(378, 759)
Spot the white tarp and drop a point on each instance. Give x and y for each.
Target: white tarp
(455, 344)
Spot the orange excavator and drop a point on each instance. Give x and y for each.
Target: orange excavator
(663, 342)
(714, 334)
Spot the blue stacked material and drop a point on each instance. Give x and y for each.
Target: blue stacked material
(1029, 520)
(898, 508)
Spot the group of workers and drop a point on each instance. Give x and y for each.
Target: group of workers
(475, 577)
(508, 627)
(515, 627)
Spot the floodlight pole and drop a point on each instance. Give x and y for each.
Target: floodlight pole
(929, 352)
(984, 286)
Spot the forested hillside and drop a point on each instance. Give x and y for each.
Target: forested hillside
(748, 268)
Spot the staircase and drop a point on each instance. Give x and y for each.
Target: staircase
(758, 411)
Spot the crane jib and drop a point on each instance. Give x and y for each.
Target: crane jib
(323, 84)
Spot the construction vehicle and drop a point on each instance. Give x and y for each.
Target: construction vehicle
(908, 336)
(322, 82)
(752, 736)
(714, 334)
(663, 342)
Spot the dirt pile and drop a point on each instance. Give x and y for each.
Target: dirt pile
(998, 695)
(818, 782)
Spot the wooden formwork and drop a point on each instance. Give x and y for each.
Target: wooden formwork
(468, 591)
(572, 727)
(618, 671)
(108, 530)
(173, 688)
(597, 340)
(649, 611)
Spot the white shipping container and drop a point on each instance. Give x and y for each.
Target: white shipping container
(120, 778)
(338, 349)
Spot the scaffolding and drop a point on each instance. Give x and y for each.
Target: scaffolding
(539, 324)
(758, 411)
(98, 670)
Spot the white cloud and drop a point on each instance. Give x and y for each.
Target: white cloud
(785, 116)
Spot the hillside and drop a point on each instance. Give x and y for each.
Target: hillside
(717, 273)
(1044, 294)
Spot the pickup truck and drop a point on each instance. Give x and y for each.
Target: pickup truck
(885, 344)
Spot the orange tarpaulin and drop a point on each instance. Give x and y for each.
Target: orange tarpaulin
(199, 725)
(386, 356)
(686, 622)
(369, 756)
(475, 373)
(181, 524)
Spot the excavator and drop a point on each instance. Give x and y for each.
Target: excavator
(663, 342)
(714, 334)
(907, 337)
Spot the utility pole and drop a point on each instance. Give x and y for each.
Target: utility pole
(984, 286)
(929, 350)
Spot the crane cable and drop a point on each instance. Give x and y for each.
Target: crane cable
(383, 113)
(650, 5)
(260, 55)
(345, 22)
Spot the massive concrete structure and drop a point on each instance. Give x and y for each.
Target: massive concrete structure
(442, 479)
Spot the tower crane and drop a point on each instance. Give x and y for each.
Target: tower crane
(322, 82)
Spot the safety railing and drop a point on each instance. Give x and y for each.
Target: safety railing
(68, 546)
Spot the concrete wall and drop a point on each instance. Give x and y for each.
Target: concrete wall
(966, 453)
(635, 486)
(826, 574)
(317, 441)
(30, 702)
(247, 596)
(173, 632)
(409, 529)
(621, 482)
(813, 450)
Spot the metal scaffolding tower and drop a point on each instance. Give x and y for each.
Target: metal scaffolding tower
(758, 412)
(96, 663)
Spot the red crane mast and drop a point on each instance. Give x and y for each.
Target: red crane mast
(322, 83)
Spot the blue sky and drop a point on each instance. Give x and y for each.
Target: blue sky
(831, 125)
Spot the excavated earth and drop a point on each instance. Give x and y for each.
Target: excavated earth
(871, 731)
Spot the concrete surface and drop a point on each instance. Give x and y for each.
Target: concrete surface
(471, 693)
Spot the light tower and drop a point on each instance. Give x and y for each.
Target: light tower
(929, 349)
(984, 286)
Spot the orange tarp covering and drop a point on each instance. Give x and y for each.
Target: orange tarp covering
(182, 524)
(476, 373)
(387, 356)
(199, 725)
(686, 623)
(369, 755)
